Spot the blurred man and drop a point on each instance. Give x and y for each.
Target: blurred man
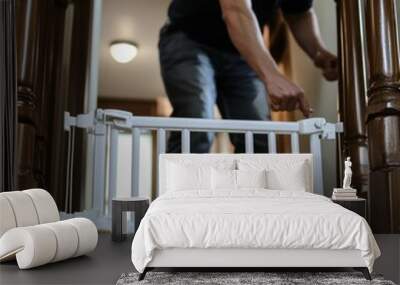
(212, 51)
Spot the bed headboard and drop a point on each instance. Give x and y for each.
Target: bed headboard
(230, 161)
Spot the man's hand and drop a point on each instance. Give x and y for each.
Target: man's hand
(285, 95)
(328, 63)
(305, 30)
(245, 34)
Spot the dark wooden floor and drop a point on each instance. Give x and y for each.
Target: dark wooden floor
(110, 260)
(103, 266)
(389, 263)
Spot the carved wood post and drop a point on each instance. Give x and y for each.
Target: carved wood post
(27, 21)
(383, 115)
(8, 96)
(52, 56)
(383, 112)
(352, 89)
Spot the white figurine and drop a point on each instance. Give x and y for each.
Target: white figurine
(347, 174)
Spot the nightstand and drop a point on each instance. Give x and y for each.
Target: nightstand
(138, 205)
(357, 205)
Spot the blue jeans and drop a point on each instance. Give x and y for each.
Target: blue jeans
(197, 77)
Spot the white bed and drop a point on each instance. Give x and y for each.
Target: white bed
(195, 223)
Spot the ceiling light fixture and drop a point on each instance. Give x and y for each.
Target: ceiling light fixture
(123, 51)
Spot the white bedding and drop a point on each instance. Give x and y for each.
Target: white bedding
(252, 218)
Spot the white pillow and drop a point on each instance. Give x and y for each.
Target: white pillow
(292, 179)
(251, 178)
(226, 179)
(181, 178)
(223, 179)
(284, 172)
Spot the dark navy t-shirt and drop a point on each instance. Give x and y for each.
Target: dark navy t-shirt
(201, 20)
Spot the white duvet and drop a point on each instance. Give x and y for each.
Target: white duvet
(250, 219)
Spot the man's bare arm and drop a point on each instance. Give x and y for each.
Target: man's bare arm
(305, 29)
(246, 36)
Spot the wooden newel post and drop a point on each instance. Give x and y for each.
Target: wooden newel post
(352, 92)
(383, 111)
(383, 115)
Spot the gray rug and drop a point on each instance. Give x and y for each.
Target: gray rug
(243, 278)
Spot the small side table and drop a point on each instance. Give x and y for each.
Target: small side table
(139, 205)
(357, 205)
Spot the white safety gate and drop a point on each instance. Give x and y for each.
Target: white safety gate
(106, 125)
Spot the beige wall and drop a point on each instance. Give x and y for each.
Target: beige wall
(322, 95)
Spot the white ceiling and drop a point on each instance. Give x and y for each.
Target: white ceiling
(138, 21)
